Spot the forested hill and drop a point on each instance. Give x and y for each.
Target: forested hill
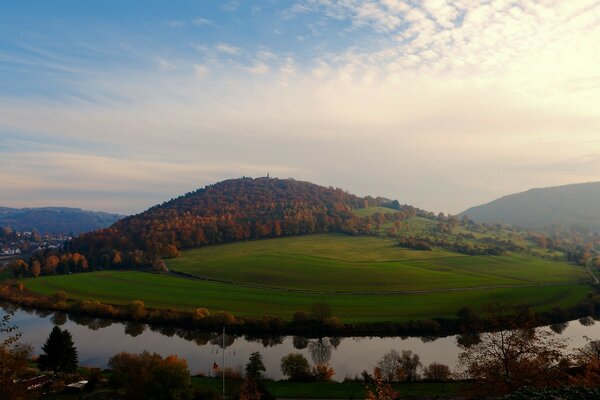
(55, 220)
(232, 210)
(566, 206)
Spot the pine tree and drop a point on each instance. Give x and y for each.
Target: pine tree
(255, 366)
(60, 354)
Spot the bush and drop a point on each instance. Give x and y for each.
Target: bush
(295, 366)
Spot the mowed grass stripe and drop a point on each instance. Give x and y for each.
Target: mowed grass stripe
(162, 291)
(344, 263)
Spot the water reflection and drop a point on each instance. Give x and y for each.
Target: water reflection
(559, 327)
(99, 339)
(134, 328)
(300, 343)
(59, 318)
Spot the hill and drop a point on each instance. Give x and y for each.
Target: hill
(566, 206)
(229, 211)
(55, 220)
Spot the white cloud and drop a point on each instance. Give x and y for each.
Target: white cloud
(258, 68)
(228, 49)
(202, 21)
(201, 71)
(432, 110)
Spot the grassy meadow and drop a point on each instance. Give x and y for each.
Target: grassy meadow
(341, 263)
(164, 291)
(365, 279)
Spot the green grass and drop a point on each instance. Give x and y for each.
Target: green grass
(368, 211)
(340, 263)
(162, 291)
(5, 274)
(334, 390)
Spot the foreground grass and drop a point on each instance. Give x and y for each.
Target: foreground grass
(164, 291)
(334, 390)
(340, 263)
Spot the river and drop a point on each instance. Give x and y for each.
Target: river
(97, 340)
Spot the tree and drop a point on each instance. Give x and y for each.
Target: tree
(50, 264)
(437, 372)
(18, 268)
(322, 373)
(36, 268)
(320, 312)
(13, 360)
(255, 366)
(295, 366)
(410, 363)
(513, 354)
(396, 367)
(60, 354)
(148, 376)
(378, 390)
(390, 367)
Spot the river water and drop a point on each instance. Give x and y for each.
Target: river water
(97, 340)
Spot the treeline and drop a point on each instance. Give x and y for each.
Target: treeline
(229, 211)
(485, 246)
(48, 262)
(579, 247)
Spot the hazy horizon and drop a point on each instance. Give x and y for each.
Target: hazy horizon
(443, 105)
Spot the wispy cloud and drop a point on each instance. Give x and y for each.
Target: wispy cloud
(228, 49)
(430, 102)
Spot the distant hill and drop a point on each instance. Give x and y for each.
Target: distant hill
(55, 220)
(228, 211)
(561, 206)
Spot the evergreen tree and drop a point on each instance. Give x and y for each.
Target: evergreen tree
(255, 366)
(60, 354)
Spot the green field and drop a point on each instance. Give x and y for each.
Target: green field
(364, 279)
(335, 390)
(162, 291)
(340, 263)
(368, 211)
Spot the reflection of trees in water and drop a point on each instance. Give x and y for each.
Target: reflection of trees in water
(165, 330)
(320, 350)
(217, 340)
(43, 313)
(560, 327)
(335, 341)
(89, 322)
(429, 339)
(59, 318)
(300, 342)
(134, 328)
(199, 337)
(587, 321)
(266, 341)
(81, 319)
(271, 341)
(468, 339)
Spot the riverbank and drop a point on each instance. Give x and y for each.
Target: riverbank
(301, 324)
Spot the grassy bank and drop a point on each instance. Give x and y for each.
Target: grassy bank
(334, 390)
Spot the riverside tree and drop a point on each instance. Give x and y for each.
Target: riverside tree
(60, 354)
(514, 353)
(13, 360)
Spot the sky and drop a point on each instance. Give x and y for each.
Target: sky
(442, 104)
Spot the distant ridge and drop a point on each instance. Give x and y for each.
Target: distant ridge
(575, 205)
(55, 220)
